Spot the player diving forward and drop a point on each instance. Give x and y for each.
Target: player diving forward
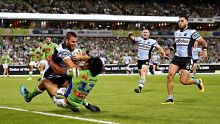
(79, 87)
(62, 57)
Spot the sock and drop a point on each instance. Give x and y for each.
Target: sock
(197, 82)
(193, 74)
(30, 73)
(34, 93)
(41, 74)
(85, 103)
(141, 84)
(170, 97)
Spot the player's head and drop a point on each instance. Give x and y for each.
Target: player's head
(40, 44)
(95, 66)
(48, 39)
(183, 22)
(145, 33)
(71, 40)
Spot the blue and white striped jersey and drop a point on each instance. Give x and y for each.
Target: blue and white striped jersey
(145, 47)
(184, 42)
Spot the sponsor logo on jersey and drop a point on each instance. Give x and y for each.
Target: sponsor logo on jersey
(182, 41)
(47, 50)
(84, 77)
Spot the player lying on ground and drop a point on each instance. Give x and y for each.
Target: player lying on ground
(79, 87)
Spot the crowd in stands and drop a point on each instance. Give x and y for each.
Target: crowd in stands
(112, 48)
(192, 8)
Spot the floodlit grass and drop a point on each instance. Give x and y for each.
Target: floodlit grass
(118, 102)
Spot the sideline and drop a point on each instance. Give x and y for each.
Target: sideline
(58, 115)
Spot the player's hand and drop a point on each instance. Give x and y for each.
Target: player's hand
(92, 108)
(83, 57)
(204, 53)
(49, 58)
(166, 57)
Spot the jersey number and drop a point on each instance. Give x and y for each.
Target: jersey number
(86, 88)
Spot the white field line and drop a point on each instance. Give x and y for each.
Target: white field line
(58, 115)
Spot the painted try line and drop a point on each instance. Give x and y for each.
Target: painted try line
(58, 115)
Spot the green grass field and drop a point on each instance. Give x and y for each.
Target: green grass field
(118, 102)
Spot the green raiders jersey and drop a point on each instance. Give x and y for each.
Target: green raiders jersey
(5, 59)
(49, 48)
(40, 52)
(80, 86)
(32, 55)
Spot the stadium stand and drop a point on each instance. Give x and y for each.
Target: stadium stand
(195, 8)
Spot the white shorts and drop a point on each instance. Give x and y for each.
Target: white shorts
(5, 65)
(33, 63)
(45, 62)
(59, 98)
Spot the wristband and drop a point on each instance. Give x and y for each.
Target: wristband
(204, 48)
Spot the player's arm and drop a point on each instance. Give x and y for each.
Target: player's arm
(160, 49)
(56, 68)
(83, 57)
(132, 37)
(204, 46)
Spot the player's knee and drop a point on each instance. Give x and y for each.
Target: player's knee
(170, 76)
(183, 81)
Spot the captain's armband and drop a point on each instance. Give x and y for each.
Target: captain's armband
(72, 72)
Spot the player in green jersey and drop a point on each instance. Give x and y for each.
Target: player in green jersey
(32, 59)
(42, 60)
(5, 60)
(49, 47)
(79, 87)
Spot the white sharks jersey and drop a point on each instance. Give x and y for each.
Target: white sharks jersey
(127, 59)
(184, 42)
(145, 47)
(195, 53)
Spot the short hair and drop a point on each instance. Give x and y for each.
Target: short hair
(95, 66)
(183, 16)
(70, 34)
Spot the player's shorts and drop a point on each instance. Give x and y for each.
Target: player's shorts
(142, 62)
(54, 78)
(33, 63)
(59, 98)
(156, 63)
(182, 62)
(5, 65)
(45, 62)
(195, 61)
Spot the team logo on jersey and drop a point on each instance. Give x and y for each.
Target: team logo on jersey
(185, 34)
(84, 77)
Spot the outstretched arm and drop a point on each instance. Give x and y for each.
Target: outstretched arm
(161, 51)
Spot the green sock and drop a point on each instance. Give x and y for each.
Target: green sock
(30, 73)
(34, 93)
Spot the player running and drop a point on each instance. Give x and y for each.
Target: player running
(184, 41)
(196, 54)
(145, 47)
(32, 59)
